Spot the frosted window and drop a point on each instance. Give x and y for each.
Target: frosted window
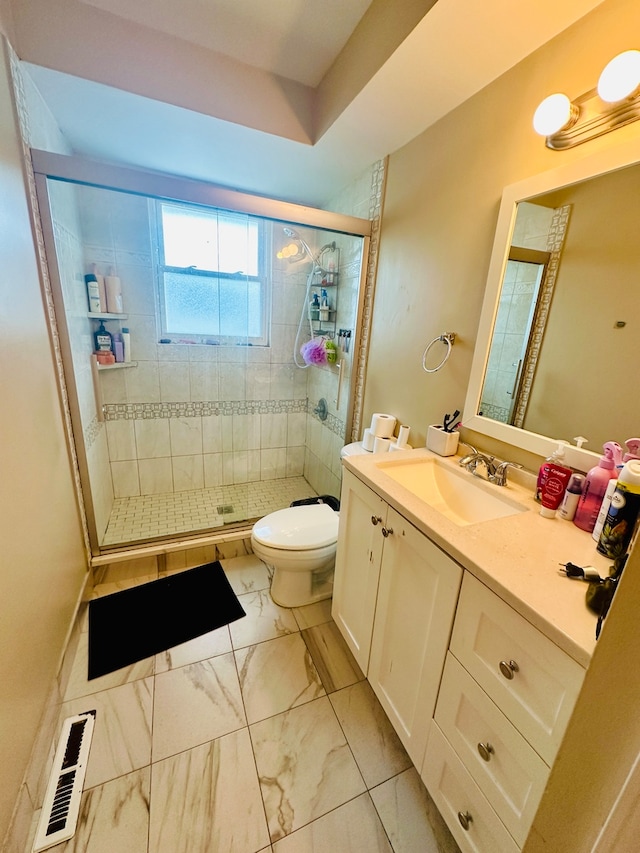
(212, 283)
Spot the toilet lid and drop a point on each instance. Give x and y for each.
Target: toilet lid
(298, 527)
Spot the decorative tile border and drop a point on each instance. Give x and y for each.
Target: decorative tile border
(376, 203)
(151, 411)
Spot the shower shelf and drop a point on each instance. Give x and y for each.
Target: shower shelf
(117, 365)
(94, 315)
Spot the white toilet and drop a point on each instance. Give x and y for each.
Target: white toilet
(300, 543)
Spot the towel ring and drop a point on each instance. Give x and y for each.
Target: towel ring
(447, 338)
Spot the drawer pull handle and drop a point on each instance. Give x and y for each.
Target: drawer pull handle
(508, 669)
(465, 820)
(375, 519)
(486, 751)
(387, 531)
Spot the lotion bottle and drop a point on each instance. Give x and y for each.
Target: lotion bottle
(595, 486)
(557, 457)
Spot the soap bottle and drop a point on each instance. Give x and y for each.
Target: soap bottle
(314, 308)
(633, 452)
(557, 457)
(103, 339)
(553, 478)
(595, 486)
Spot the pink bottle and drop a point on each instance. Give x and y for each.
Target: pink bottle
(595, 486)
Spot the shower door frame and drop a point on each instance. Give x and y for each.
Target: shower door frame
(48, 166)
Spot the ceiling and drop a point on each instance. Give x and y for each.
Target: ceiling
(296, 43)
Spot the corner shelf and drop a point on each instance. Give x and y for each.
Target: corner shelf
(117, 366)
(94, 315)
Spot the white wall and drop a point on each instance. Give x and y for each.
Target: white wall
(42, 559)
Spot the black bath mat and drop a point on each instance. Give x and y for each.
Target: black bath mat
(134, 624)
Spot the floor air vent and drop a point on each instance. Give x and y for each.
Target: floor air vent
(62, 800)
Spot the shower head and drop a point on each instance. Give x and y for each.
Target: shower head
(293, 234)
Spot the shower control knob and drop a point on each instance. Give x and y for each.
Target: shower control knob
(387, 531)
(508, 669)
(376, 519)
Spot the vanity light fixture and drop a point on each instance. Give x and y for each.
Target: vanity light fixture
(614, 103)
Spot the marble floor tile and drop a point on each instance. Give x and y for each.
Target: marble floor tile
(352, 828)
(114, 816)
(208, 799)
(206, 646)
(246, 574)
(376, 747)
(265, 620)
(121, 739)
(305, 766)
(194, 704)
(333, 660)
(313, 614)
(276, 675)
(79, 684)
(410, 816)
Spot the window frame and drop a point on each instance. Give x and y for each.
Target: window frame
(263, 279)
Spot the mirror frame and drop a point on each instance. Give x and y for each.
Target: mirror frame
(609, 160)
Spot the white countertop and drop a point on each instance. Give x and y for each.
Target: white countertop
(517, 557)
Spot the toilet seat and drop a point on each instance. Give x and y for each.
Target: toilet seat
(299, 528)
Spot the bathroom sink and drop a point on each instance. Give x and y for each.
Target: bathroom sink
(456, 494)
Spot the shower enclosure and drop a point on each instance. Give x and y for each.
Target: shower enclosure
(219, 415)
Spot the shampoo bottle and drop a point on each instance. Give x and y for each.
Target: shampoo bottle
(621, 522)
(595, 486)
(126, 343)
(93, 293)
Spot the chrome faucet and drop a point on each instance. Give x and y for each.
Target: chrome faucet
(486, 467)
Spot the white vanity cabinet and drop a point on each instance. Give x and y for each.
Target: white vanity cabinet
(506, 697)
(395, 595)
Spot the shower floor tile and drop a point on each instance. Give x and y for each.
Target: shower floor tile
(152, 516)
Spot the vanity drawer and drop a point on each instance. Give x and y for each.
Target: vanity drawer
(509, 772)
(460, 801)
(533, 682)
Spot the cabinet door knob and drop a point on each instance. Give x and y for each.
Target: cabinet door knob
(485, 750)
(387, 531)
(508, 669)
(375, 519)
(465, 820)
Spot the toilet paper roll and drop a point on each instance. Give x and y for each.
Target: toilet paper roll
(381, 444)
(395, 446)
(368, 440)
(382, 425)
(403, 435)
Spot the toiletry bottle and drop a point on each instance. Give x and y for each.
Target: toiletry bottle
(624, 512)
(571, 497)
(101, 287)
(556, 457)
(633, 452)
(118, 347)
(114, 293)
(324, 306)
(595, 486)
(126, 341)
(93, 292)
(103, 339)
(314, 309)
(555, 480)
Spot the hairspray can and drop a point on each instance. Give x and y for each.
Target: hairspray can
(624, 512)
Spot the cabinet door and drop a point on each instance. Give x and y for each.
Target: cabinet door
(355, 587)
(417, 598)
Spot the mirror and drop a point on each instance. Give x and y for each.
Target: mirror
(558, 338)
